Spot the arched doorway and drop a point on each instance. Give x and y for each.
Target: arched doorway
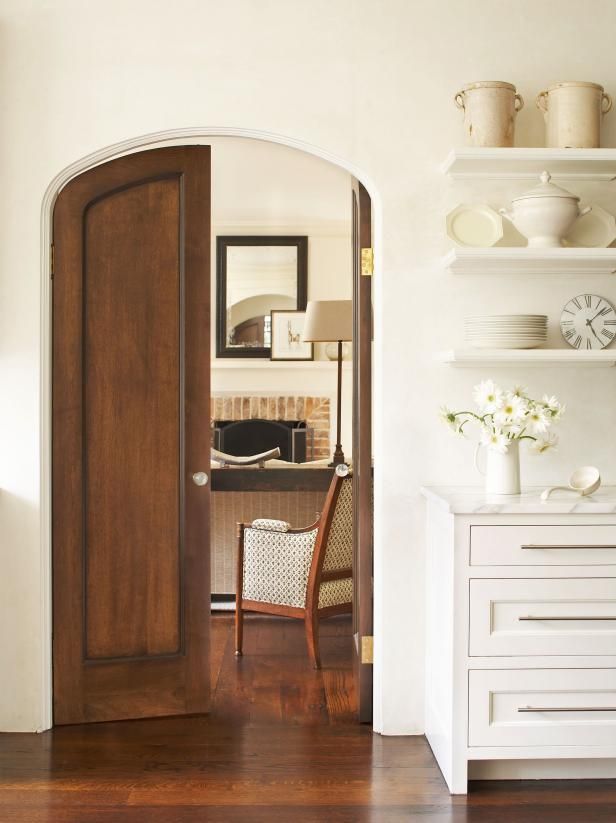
(175, 137)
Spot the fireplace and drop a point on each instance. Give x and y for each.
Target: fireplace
(256, 435)
(313, 411)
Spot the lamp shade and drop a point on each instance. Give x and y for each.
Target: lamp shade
(328, 321)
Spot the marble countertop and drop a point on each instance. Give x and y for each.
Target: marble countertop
(473, 500)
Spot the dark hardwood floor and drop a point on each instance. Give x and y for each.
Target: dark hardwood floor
(280, 745)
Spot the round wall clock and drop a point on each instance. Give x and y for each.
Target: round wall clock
(588, 321)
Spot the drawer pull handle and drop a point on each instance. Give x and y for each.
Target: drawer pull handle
(585, 546)
(567, 617)
(567, 709)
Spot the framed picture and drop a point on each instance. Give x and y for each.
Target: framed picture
(287, 343)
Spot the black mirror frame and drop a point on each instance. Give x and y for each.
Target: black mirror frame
(222, 243)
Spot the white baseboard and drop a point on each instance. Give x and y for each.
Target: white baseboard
(586, 769)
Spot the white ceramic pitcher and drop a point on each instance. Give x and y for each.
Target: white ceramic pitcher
(502, 471)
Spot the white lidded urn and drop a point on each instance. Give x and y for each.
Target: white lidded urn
(573, 111)
(502, 470)
(489, 107)
(545, 214)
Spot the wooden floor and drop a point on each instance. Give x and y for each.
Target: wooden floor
(280, 745)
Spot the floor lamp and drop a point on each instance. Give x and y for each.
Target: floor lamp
(331, 321)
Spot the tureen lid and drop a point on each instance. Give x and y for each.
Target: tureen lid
(546, 189)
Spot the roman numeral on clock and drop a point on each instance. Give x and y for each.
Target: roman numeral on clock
(577, 341)
(576, 303)
(569, 334)
(588, 300)
(607, 333)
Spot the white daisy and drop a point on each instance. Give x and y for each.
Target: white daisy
(495, 439)
(513, 409)
(512, 430)
(538, 420)
(449, 419)
(555, 408)
(488, 396)
(544, 443)
(519, 391)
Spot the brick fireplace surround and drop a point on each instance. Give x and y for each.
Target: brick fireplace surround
(314, 410)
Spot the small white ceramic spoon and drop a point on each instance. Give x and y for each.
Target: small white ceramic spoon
(583, 481)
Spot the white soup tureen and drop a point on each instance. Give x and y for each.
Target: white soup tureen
(545, 214)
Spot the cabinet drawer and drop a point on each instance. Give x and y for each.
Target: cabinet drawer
(542, 617)
(543, 545)
(554, 707)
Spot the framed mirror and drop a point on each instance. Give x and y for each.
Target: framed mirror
(253, 276)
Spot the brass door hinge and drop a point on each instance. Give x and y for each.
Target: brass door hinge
(52, 260)
(367, 649)
(367, 262)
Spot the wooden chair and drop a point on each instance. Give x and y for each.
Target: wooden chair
(301, 573)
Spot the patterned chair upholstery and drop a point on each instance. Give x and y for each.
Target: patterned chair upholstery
(302, 573)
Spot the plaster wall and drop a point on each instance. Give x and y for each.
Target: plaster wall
(369, 82)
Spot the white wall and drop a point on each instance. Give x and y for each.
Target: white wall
(370, 82)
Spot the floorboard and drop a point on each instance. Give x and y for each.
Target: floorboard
(281, 744)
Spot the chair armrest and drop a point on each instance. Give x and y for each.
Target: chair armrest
(267, 524)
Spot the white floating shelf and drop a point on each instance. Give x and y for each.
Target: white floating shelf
(507, 260)
(568, 358)
(502, 163)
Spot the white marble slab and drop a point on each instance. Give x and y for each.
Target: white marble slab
(473, 500)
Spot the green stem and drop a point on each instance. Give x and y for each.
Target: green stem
(471, 414)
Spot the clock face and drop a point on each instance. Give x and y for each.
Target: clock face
(588, 322)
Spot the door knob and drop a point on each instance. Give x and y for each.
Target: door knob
(200, 478)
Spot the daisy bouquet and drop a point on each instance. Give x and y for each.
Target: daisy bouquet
(504, 416)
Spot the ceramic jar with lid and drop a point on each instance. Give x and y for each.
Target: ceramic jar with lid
(573, 112)
(545, 214)
(489, 107)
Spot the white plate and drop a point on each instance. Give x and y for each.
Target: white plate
(595, 230)
(505, 328)
(474, 226)
(505, 335)
(511, 336)
(506, 344)
(506, 317)
(498, 326)
(485, 324)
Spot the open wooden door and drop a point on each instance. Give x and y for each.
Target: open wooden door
(362, 448)
(131, 355)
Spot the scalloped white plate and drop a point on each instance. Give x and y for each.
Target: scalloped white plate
(474, 226)
(595, 230)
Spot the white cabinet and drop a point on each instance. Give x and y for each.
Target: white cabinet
(521, 630)
(538, 707)
(514, 617)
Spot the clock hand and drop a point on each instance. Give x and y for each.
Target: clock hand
(589, 324)
(596, 315)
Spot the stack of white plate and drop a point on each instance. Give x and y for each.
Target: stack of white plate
(506, 331)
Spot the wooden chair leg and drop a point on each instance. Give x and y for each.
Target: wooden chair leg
(239, 589)
(312, 637)
(239, 628)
